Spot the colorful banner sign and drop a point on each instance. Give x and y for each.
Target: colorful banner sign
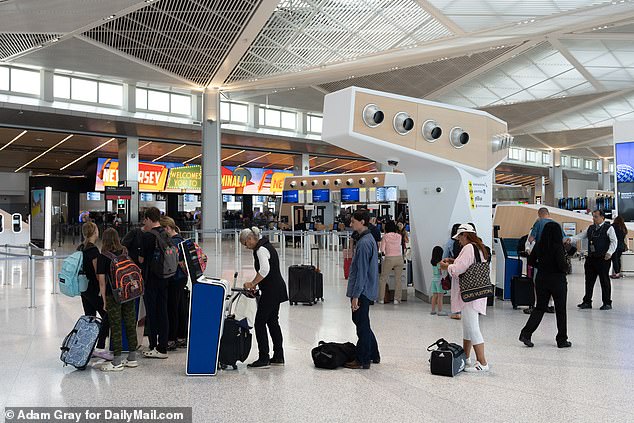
(152, 175)
(185, 179)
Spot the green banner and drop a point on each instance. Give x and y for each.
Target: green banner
(186, 178)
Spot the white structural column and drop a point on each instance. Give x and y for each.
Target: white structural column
(556, 177)
(604, 176)
(211, 197)
(129, 98)
(46, 85)
(540, 189)
(301, 165)
(129, 172)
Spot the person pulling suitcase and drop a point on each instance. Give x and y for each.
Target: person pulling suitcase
(269, 280)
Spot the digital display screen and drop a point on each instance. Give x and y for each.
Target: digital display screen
(625, 180)
(349, 195)
(226, 198)
(290, 196)
(386, 194)
(93, 196)
(146, 196)
(321, 196)
(190, 198)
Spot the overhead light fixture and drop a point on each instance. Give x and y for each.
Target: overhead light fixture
(169, 152)
(193, 158)
(107, 18)
(325, 163)
(17, 137)
(343, 165)
(357, 168)
(88, 154)
(145, 145)
(257, 158)
(233, 155)
(44, 153)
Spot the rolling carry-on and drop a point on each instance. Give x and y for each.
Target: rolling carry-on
(79, 344)
(302, 281)
(236, 340)
(522, 291)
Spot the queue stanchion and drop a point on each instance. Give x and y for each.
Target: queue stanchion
(54, 290)
(32, 280)
(6, 265)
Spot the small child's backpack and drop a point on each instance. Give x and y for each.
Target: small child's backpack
(125, 278)
(164, 264)
(72, 279)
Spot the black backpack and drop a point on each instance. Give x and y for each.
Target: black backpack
(133, 242)
(330, 355)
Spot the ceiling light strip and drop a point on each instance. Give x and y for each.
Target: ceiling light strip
(168, 153)
(233, 155)
(343, 165)
(193, 158)
(44, 153)
(87, 154)
(359, 167)
(257, 158)
(13, 140)
(145, 145)
(325, 163)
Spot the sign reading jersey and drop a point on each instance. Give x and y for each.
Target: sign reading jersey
(152, 175)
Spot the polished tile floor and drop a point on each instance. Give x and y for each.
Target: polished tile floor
(591, 382)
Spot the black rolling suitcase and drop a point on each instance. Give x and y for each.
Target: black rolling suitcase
(302, 284)
(236, 339)
(522, 291)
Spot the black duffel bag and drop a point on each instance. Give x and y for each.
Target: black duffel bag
(330, 355)
(448, 359)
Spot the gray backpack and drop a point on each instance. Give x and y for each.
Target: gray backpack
(164, 264)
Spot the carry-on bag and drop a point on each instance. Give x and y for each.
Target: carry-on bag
(302, 284)
(236, 339)
(447, 359)
(522, 291)
(79, 344)
(331, 355)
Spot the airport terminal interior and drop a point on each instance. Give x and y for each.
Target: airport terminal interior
(315, 152)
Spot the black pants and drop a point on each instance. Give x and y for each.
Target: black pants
(268, 315)
(547, 286)
(616, 261)
(156, 313)
(367, 347)
(175, 302)
(93, 304)
(598, 266)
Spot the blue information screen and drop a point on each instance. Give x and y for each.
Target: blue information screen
(349, 195)
(205, 322)
(625, 179)
(321, 196)
(290, 196)
(145, 196)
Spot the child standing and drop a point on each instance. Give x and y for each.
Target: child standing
(436, 290)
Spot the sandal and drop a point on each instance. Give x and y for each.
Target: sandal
(109, 367)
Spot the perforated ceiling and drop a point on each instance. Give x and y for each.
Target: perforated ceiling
(12, 44)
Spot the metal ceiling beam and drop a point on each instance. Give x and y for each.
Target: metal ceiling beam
(590, 141)
(481, 70)
(440, 17)
(603, 36)
(608, 96)
(577, 64)
(540, 141)
(249, 33)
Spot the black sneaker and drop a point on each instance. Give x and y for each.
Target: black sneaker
(526, 340)
(584, 306)
(181, 343)
(528, 310)
(564, 344)
(171, 346)
(275, 361)
(376, 360)
(260, 364)
(550, 309)
(606, 307)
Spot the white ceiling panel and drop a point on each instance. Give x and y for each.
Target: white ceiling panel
(319, 32)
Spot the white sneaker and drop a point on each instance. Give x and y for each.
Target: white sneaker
(381, 302)
(396, 302)
(154, 354)
(468, 362)
(477, 368)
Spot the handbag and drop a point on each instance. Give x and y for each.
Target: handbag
(445, 283)
(475, 282)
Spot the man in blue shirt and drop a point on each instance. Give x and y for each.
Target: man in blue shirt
(363, 287)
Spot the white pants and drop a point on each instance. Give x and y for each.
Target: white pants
(471, 326)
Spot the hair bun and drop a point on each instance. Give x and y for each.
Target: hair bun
(255, 230)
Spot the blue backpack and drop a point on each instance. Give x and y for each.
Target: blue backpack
(72, 279)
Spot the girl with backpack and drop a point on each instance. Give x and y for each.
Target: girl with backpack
(111, 245)
(90, 298)
(176, 301)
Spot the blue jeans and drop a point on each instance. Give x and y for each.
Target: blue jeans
(367, 347)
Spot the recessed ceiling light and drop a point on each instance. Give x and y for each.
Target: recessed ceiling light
(107, 18)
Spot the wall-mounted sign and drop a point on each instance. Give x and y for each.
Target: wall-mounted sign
(152, 176)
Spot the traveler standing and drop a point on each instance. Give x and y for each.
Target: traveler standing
(437, 292)
(363, 288)
(175, 291)
(621, 231)
(155, 286)
(602, 243)
(390, 247)
(90, 299)
(269, 280)
(549, 257)
(452, 250)
(117, 313)
(472, 336)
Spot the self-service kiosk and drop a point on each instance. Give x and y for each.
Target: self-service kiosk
(206, 316)
(16, 223)
(507, 265)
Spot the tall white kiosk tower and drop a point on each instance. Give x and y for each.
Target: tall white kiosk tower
(448, 155)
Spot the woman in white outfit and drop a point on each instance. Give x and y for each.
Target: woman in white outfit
(472, 336)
